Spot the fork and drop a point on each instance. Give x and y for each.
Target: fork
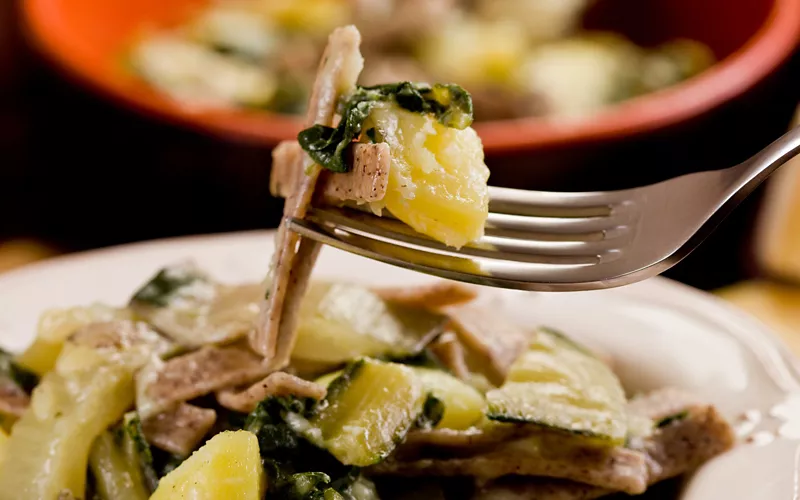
(550, 241)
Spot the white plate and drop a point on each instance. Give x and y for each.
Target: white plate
(661, 333)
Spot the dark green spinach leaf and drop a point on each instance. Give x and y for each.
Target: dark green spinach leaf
(297, 469)
(166, 284)
(449, 103)
(432, 413)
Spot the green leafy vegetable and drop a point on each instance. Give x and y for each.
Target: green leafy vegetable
(167, 284)
(276, 438)
(315, 486)
(425, 358)
(432, 413)
(450, 104)
(297, 469)
(9, 369)
(136, 449)
(305, 483)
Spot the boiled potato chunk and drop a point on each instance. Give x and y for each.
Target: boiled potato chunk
(438, 179)
(558, 72)
(476, 53)
(227, 467)
(313, 17)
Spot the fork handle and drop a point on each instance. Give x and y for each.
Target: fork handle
(768, 160)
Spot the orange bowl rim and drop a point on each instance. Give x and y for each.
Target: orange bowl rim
(765, 51)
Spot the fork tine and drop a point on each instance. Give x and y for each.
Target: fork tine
(526, 227)
(576, 224)
(548, 204)
(527, 276)
(490, 247)
(501, 227)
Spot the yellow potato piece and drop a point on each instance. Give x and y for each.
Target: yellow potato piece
(438, 179)
(313, 17)
(476, 53)
(227, 467)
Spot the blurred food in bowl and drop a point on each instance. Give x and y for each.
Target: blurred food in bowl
(751, 44)
(777, 234)
(518, 57)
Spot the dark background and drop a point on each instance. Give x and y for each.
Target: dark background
(78, 172)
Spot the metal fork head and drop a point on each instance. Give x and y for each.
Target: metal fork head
(549, 241)
(532, 241)
(540, 240)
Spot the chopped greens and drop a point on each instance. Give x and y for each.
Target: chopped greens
(432, 413)
(314, 450)
(136, 449)
(297, 469)
(303, 484)
(426, 359)
(449, 103)
(167, 284)
(276, 438)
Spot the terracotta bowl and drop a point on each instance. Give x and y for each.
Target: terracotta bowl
(752, 40)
